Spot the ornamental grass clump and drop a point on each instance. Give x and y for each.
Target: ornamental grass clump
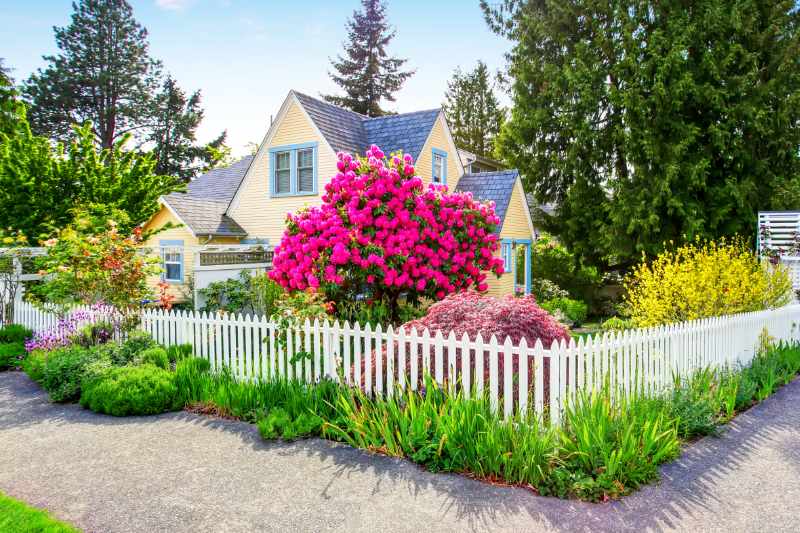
(703, 279)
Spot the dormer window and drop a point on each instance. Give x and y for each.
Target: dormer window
(293, 170)
(439, 173)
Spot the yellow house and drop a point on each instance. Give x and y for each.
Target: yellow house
(235, 211)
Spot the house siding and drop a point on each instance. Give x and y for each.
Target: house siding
(181, 291)
(424, 164)
(515, 227)
(265, 217)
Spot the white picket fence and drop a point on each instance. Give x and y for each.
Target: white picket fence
(380, 360)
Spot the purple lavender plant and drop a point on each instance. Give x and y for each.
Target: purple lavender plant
(66, 329)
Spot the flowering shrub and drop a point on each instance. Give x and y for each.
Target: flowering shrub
(379, 229)
(507, 316)
(90, 261)
(68, 329)
(703, 279)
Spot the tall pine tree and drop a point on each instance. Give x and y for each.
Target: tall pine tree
(367, 74)
(472, 110)
(103, 74)
(649, 121)
(173, 137)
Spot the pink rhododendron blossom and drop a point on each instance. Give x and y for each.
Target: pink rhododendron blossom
(379, 225)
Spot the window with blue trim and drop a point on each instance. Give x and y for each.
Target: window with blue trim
(172, 261)
(507, 256)
(293, 169)
(439, 173)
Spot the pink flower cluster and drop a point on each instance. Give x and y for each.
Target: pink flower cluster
(378, 225)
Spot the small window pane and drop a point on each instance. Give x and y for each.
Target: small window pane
(173, 271)
(282, 180)
(282, 161)
(438, 168)
(305, 170)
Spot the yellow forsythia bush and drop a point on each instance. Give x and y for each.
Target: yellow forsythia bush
(702, 279)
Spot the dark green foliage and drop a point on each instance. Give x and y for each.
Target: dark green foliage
(130, 391)
(153, 356)
(176, 119)
(85, 82)
(473, 112)
(248, 294)
(552, 261)
(367, 73)
(574, 311)
(11, 355)
(649, 121)
(65, 369)
(136, 343)
(15, 333)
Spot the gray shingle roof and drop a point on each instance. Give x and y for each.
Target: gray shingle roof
(491, 186)
(342, 128)
(347, 131)
(407, 132)
(202, 207)
(220, 183)
(204, 216)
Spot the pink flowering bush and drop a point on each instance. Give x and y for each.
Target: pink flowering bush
(507, 316)
(380, 231)
(472, 313)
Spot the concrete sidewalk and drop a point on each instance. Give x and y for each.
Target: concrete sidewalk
(182, 472)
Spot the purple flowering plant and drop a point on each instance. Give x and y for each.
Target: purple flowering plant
(68, 328)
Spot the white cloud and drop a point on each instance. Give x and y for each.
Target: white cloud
(172, 5)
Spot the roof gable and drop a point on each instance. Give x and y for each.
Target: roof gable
(496, 187)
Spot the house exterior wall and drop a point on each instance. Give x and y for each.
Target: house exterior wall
(254, 210)
(515, 227)
(181, 291)
(438, 139)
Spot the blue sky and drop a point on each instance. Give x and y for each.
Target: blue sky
(246, 55)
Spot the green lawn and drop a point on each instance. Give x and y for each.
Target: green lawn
(16, 517)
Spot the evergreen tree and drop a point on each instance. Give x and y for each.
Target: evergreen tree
(472, 110)
(176, 119)
(102, 74)
(12, 110)
(366, 73)
(652, 121)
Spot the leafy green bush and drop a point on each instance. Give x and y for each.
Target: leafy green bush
(544, 289)
(250, 294)
(14, 333)
(552, 261)
(136, 343)
(280, 424)
(154, 356)
(131, 390)
(616, 323)
(11, 354)
(574, 311)
(33, 365)
(64, 370)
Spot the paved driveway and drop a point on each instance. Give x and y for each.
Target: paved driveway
(182, 472)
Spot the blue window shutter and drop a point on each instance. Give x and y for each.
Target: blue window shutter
(293, 173)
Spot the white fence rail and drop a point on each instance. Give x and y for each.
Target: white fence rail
(516, 377)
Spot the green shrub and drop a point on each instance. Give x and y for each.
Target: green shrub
(11, 354)
(33, 365)
(154, 356)
(574, 311)
(552, 261)
(616, 323)
(280, 424)
(14, 333)
(131, 390)
(136, 343)
(192, 380)
(65, 369)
